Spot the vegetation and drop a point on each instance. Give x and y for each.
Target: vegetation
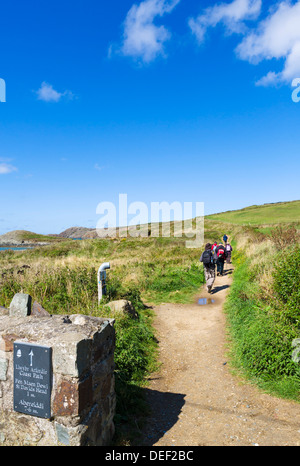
(262, 308)
(264, 314)
(62, 277)
(262, 215)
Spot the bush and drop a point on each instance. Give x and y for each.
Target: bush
(262, 333)
(284, 236)
(287, 274)
(286, 285)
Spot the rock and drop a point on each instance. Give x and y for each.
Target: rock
(38, 310)
(20, 305)
(124, 307)
(3, 311)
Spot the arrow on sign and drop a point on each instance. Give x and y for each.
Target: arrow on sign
(31, 355)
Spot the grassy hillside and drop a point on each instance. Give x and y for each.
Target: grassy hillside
(268, 214)
(23, 236)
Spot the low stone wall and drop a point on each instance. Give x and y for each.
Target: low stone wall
(82, 394)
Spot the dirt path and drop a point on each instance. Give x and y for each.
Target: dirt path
(195, 399)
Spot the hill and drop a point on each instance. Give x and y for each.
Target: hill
(267, 214)
(24, 237)
(264, 216)
(76, 232)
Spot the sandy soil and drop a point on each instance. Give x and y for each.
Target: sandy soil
(194, 397)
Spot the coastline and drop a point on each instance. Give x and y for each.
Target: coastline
(20, 245)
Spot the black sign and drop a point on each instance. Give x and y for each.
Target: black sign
(32, 379)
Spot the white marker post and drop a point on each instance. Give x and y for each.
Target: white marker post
(102, 280)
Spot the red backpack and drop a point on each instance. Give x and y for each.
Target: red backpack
(220, 253)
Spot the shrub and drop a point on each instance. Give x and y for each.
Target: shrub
(262, 333)
(284, 236)
(286, 285)
(287, 274)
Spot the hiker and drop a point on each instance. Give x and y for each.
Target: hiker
(213, 247)
(225, 238)
(219, 256)
(228, 253)
(208, 266)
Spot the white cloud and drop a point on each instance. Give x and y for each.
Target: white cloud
(231, 15)
(278, 36)
(6, 168)
(48, 94)
(270, 79)
(142, 38)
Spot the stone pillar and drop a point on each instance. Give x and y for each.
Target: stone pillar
(82, 393)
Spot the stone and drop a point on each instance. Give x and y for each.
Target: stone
(3, 311)
(71, 354)
(65, 402)
(62, 434)
(38, 310)
(122, 306)
(3, 368)
(7, 342)
(106, 387)
(20, 305)
(73, 398)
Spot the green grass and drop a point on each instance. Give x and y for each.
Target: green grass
(263, 327)
(268, 214)
(162, 268)
(34, 237)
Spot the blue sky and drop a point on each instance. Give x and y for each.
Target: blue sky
(182, 100)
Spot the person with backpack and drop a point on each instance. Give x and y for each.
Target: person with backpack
(225, 238)
(219, 256)
(208, 266)
(213, 246)
(228, 253)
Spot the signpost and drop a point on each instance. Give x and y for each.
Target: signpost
(32, 379)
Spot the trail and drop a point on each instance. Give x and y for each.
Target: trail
(195, 399)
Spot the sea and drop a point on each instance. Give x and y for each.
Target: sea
(13, 249)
